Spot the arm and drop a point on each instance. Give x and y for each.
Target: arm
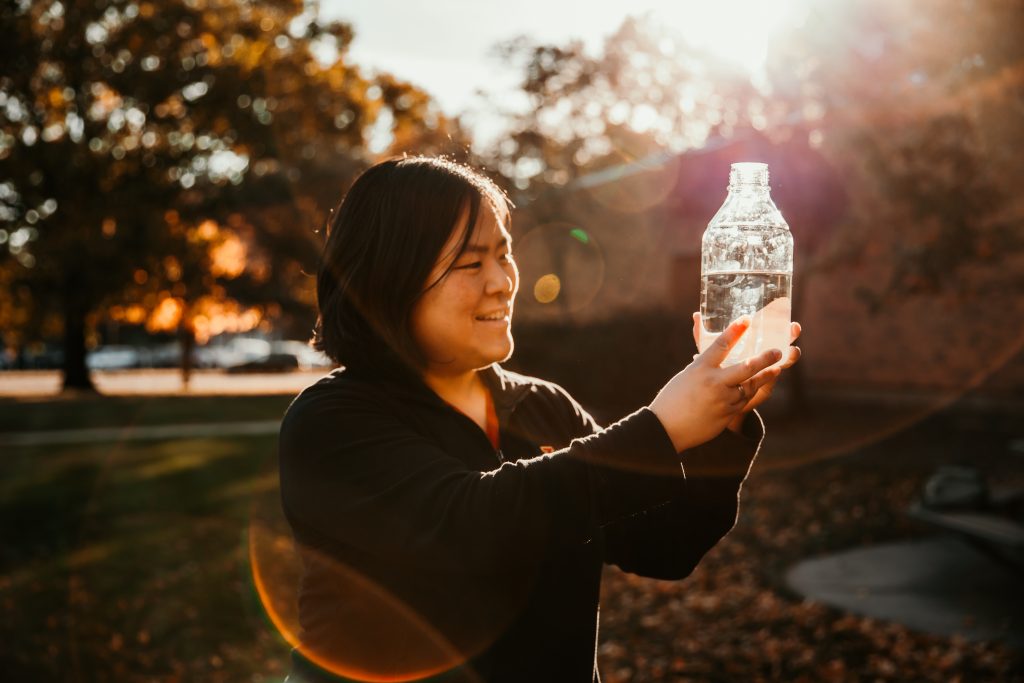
(668, 541)
(354, 475)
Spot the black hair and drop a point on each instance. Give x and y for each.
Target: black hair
(383, 242)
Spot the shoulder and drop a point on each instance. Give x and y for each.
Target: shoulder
(541, 389)
(329, 400)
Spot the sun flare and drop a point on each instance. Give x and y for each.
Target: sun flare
(736, 31)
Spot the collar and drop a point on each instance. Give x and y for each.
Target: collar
(507, 389)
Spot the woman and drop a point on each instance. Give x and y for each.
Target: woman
(454, 517)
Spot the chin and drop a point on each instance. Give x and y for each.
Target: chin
(502, 353)
(511, 348)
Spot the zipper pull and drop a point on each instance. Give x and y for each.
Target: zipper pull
(501, 456)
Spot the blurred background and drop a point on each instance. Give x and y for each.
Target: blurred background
(167, 167)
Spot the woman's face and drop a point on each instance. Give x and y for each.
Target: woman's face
(463, 323)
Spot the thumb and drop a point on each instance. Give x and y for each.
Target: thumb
(719, 350)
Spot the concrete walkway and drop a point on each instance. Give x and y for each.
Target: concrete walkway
(940, 585)
(45, 384)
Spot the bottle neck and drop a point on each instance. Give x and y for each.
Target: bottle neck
(748, 178)
(747, 190)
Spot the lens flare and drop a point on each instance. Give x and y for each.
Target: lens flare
(566, 264)
(547, 287)
(357, 625)
(962, 356)
(367, 617)
(640, 188)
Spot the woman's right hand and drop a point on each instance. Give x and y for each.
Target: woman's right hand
(699, 402)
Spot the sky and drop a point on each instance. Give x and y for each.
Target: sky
(446, 46)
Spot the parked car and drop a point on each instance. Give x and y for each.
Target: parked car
(308, 357)
(112, 358)
(284, 356)
(272, 362)
(230, 353)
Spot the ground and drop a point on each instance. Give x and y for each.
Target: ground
(130, 560)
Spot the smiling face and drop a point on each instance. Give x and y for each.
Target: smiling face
(463, 322)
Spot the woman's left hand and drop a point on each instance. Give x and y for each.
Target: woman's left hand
(762, 394)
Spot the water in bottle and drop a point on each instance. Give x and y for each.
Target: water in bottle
(747, 267)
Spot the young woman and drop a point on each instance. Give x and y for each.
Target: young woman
(454, 517)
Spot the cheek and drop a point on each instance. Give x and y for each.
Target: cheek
(440, 308)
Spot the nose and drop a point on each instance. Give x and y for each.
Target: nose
(500, 280)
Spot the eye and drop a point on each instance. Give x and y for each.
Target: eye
(467, 266)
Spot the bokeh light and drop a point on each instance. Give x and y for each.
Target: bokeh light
(563, 264)
(547, 287)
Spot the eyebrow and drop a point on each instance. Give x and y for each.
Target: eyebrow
(483, 249)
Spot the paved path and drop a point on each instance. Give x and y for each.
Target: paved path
(939, 585)
(36, 384)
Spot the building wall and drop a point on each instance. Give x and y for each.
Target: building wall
(642, 253)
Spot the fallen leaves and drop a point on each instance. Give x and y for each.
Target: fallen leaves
(733, 619)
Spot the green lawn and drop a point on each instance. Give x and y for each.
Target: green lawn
(121, 411)
(129, 561)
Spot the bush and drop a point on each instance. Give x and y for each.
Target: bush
(611, 367)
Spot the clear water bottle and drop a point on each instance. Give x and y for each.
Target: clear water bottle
(747, 267)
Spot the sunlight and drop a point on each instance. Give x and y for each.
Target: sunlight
(737, 31)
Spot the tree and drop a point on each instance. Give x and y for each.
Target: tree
(646, 91)
(920, 103)
(141, 142)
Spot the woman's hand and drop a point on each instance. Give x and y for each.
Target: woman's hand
(762, 393)
(705, 398)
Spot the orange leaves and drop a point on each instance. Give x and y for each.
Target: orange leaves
(228, 253)
(207, 231)
(172, 268)
(56, 97)
(733, 619)
(228, 258)
(210, 317)
(166, 316)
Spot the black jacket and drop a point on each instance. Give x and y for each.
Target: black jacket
(426, 551)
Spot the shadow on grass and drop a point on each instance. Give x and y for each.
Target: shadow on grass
(28, 415)
(127, 561)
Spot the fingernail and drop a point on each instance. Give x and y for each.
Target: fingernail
(776, 354)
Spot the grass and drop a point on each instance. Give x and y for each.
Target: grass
(128, 561)
(122, 411)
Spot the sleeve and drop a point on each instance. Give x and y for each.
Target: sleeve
(355, 475)
(667, 541)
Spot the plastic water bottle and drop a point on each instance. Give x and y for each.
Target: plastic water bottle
(747, 267)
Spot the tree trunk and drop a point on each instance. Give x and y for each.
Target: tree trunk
(187, 336)
(76, 373)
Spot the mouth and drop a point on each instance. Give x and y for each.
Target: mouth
(495, 317)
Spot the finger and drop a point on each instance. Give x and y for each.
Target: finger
(696, 329)
(741, 372)
(759, 388)
(794, 331)
(763, 380)
(740, 395)
(794, 356)
(717, 352)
